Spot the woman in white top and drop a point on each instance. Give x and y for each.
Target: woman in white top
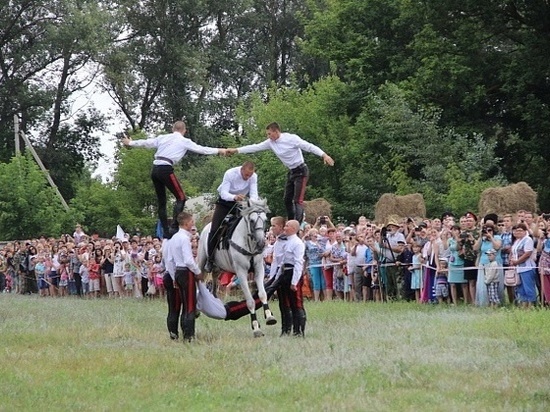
(522, 258)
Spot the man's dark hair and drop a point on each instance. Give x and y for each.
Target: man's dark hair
(273, 126)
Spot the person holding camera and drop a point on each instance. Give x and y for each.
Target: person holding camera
(389, 248)
(487, 241)
(468, 238)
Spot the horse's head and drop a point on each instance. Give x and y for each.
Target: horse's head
(255, 214)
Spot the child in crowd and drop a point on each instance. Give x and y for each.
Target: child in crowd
(416, 270)
(128, 280)
(491, 278)
(85, 276)
(234, 283)
(156, 274)
(441, 284)
(63, 280)
(40, 271)
(94, 269)
(405, 261)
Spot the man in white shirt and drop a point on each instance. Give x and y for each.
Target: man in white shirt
(174, 303)
(289, 292)
(288, 148)
(171, 148)
(358, 261)
(186, 273)
(238, 183)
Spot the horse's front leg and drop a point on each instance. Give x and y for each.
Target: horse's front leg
(250, 303)
(259, 275)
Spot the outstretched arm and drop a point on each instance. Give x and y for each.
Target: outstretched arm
(328, 160)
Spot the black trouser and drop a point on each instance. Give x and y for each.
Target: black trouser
(185, 280)
(31, 285)
(236, 310)
(163, 177)
(144, 286)
(222, 209)
(78, 283)
(291, 304)
(174, 304)
(295, 191)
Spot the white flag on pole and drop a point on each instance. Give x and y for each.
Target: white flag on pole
(119, 233)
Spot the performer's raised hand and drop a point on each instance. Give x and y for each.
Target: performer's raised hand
(328, 160)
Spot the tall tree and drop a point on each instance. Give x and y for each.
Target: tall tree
(45, 49)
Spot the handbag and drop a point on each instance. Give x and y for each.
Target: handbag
(511, 277)
(151, 290)
(339, 272)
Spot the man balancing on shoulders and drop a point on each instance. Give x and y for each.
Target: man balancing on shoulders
(171, 148)
(238, 183)
(288, 148)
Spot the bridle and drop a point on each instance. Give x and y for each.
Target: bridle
(255, 222)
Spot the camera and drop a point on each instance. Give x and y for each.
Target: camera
(464, 235)
(417, 229)
(484, 231)
(323, 220)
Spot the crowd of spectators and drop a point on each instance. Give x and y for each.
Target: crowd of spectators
(495, 260)
(442, 260)
(83, 265)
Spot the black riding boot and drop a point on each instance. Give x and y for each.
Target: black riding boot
(299, 322)
(286, 321)
(188, 326)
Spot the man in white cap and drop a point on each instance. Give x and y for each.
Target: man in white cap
(391, 245)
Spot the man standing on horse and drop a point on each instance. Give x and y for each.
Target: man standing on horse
(171, 148)
(238, 183)
(288, 148)
(186, 272)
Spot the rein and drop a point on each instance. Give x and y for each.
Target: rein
(251, 230)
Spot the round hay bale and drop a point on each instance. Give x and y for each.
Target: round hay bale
(315, 208)
(402, 206)
(508, 199)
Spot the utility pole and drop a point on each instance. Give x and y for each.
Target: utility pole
(37, 159)
(16, 128)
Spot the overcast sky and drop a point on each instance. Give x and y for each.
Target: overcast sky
(104, 103)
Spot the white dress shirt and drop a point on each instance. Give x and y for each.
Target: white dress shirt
(233, 184)
(288, 148)
(172, 146)
(181, 254)
(278, 256)
(294, 255)
(166, 258)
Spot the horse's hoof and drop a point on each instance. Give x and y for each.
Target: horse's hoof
(270, 321)
(258, 333)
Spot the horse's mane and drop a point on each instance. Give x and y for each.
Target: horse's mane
(249, 206)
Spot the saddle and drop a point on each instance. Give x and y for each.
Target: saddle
(227, 228)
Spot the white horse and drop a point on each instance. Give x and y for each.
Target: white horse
(243, 255)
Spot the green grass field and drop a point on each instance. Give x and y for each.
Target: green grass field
(70, 354)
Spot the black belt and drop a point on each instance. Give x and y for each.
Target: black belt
(165, 159)
(285, 267)
(297, 168)
(182, 268)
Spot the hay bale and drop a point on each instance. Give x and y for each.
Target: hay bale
(508, 199)
(317, 207)
(402, 206)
